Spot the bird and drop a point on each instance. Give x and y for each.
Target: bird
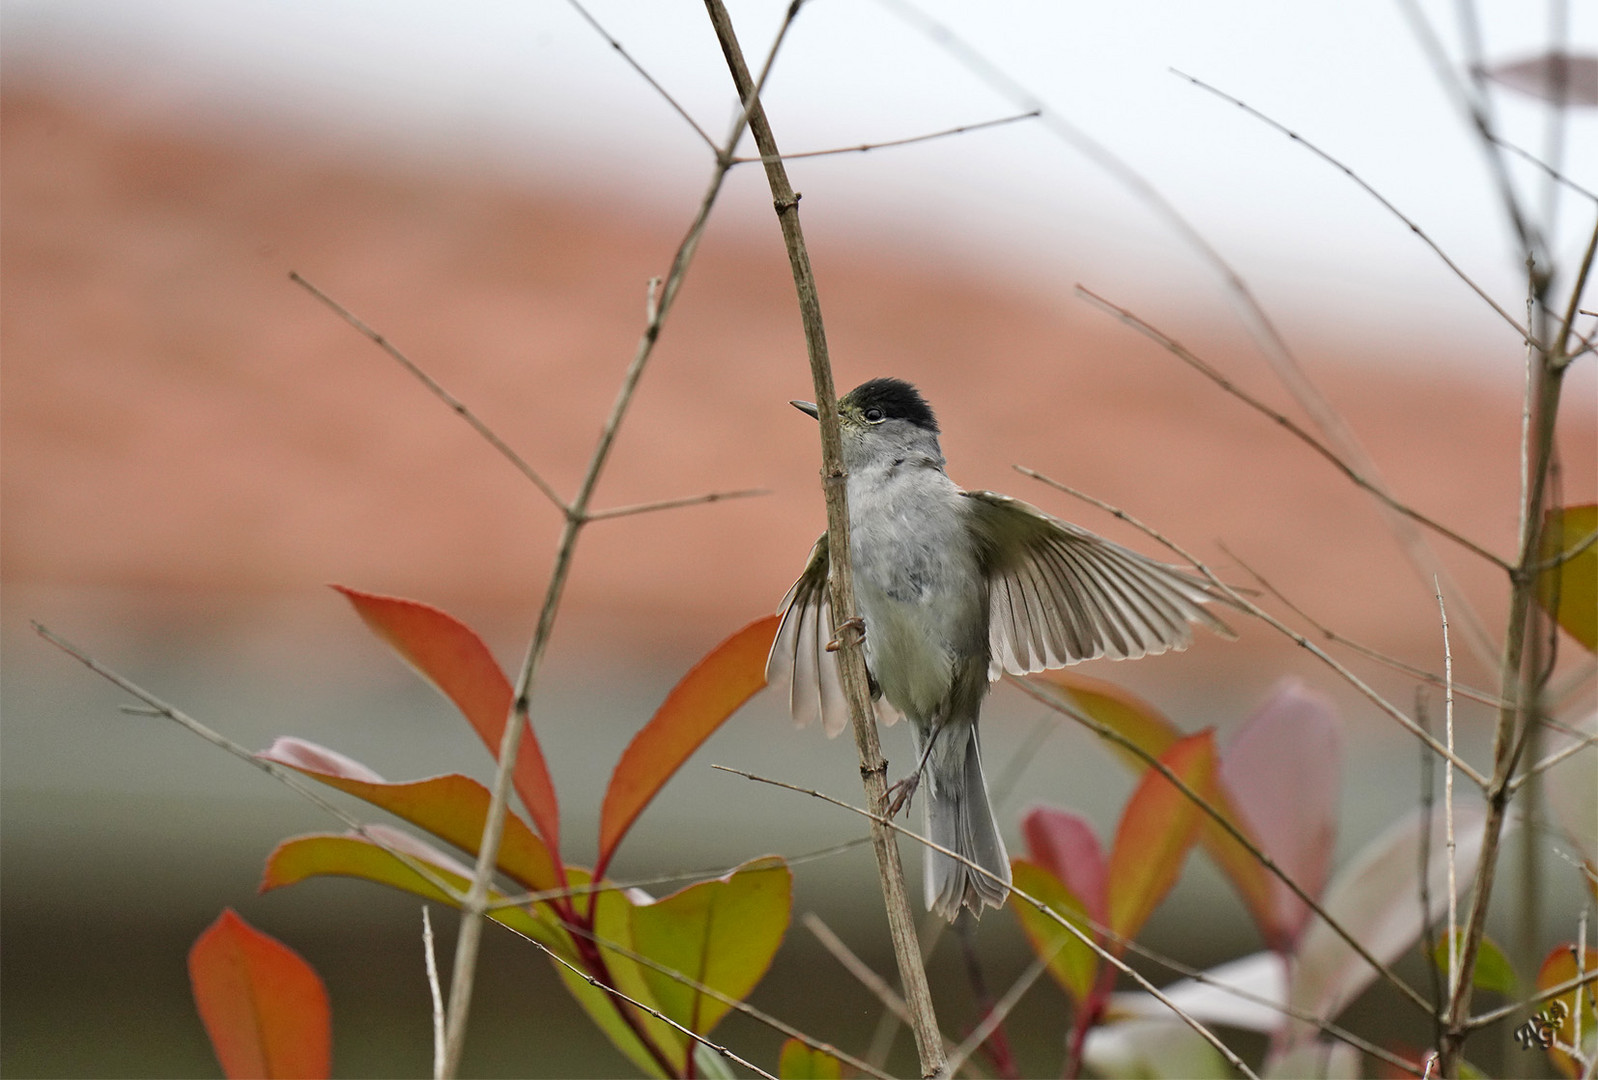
(954, 588)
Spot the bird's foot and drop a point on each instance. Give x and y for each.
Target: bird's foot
(856, 624)
(901, 792)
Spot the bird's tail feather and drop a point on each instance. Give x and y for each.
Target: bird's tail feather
(960, 819)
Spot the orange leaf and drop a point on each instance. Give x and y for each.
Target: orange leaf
(451, 807)
(1147, 728)
(449, 654)
(1157, 829)
(1557, 1018)
(263, 1006)
(713, 690)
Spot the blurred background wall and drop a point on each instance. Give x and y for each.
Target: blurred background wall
(193, 447)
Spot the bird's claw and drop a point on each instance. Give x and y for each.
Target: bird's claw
(857, 624)
(901, 792)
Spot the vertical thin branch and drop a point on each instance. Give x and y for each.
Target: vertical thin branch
(1448, 799)
(437, 994)
(577, 515)
(873, 767)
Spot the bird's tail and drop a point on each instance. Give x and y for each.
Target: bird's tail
(960, 819)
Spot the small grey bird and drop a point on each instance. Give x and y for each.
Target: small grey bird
(954, 589)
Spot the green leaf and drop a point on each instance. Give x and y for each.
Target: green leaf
(800, 1062)
(1157, 828)
(1493, 971)
(1574, 583)
(451, 807)
(612, 918)
(1072, 964)
(712, 691)
(721, 933)
(264, 1008)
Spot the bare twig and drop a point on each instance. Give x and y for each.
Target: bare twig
(1254, 609)
(607, 885)
(857, 967)
(1448, 801)
(1551, 760)
(1001, 1009)
(1387, 205)
(1579, 548)
(673, 504)
(576, 514)
(1070, 927)
(621, 51)
(437, 994)
(455, 404)
(851, 661)
(1428, 677)
(864, 147)
(1204, 368)
(1492, 1016)
(1537, 162)
(284, 775)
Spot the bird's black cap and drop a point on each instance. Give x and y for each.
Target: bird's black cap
(897, 399)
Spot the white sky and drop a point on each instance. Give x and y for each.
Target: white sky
(527, 86)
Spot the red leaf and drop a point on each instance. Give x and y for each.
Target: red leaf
(448, 654)
(1067, 847)
(451, 807)
(1555, 77)
(1282, 769)
(263, 1006)
(1157, 829)
(713, 690)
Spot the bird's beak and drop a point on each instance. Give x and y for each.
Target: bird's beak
(808, 408)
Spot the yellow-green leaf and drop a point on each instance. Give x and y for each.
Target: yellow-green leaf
(721, 933)
(800, 1062)
(328, 854)
(1493, 970)
(1572, 585)
(1072, 963)
(612, 915)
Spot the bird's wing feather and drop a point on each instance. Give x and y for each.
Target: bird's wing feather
(1059, 594)
(799, 652)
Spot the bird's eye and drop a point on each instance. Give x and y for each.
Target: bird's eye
(873, 414)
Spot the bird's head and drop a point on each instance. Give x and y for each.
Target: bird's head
(884, 419)
(881, 417)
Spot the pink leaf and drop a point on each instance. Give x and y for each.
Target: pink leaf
(1283, 768)
(1067, 847)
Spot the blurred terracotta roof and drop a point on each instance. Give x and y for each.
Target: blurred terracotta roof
(179, 416)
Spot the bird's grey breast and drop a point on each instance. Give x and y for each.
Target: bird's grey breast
(919, 586)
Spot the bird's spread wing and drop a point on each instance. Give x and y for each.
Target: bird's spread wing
(799, 654)
(1059, 594)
